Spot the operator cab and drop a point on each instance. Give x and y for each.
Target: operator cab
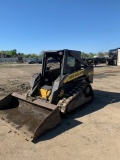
(52, 66)
(61, 62)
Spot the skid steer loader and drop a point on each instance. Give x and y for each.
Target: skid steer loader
(62, 87)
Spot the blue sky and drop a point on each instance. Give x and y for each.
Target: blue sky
(31, 26)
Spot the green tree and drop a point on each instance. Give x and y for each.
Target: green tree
(100, 54)
(14, 52)
(40, 54)
(106, 53)
(11, 53)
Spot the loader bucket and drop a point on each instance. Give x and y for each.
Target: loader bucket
(31, 117)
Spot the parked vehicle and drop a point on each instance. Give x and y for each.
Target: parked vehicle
(35, 60)
(114, 57)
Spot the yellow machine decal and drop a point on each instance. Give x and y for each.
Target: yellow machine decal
(74, 75)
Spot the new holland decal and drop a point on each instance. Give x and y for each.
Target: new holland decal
(73, 76)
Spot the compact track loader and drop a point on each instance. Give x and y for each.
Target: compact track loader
(61, 88)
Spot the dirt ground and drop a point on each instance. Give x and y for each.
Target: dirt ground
(93, 133)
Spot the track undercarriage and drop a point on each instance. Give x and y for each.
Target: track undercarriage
(75, 99)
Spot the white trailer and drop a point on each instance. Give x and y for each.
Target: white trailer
(118, 58)
(114, 57)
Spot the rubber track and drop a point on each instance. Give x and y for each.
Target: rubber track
(62, 104)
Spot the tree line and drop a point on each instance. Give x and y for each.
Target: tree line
(14, 53)
(91, 55)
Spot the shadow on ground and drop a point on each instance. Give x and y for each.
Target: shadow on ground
(101, 100)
